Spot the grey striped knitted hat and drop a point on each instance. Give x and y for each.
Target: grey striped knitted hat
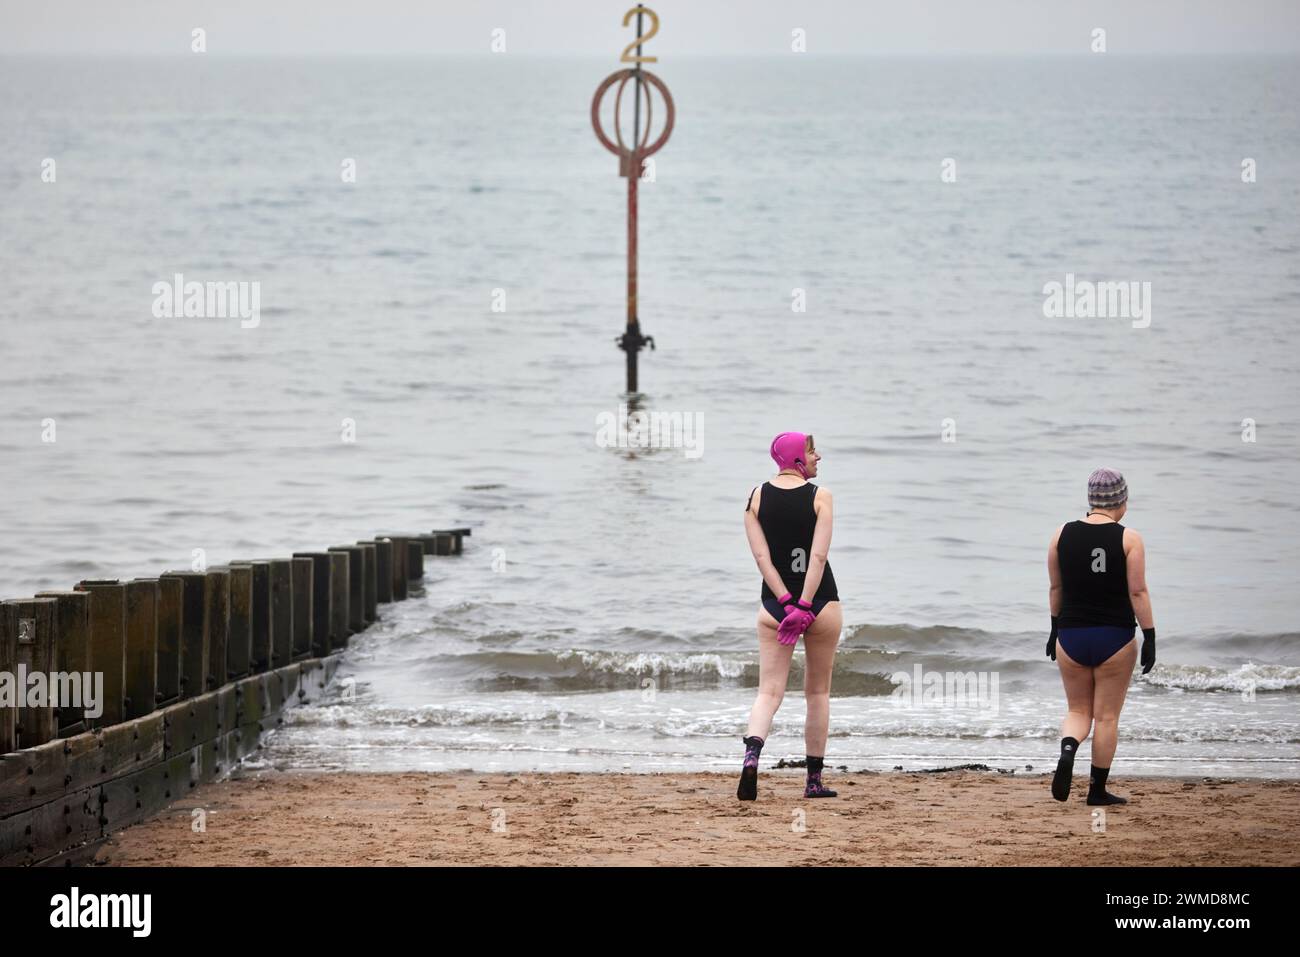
(1107, 489)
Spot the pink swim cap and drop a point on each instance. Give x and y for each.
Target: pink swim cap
(788, 451)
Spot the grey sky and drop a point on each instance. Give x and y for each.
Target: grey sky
(689, 27)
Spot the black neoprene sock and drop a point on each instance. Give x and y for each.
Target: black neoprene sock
(1097, 793)
(1064, 769)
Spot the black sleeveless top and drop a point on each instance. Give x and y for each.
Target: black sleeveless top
(787, 518)
(1094, 576)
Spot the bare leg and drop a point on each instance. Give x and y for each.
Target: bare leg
(820, 642)
(1112, 678)
(773, 673)
(1078, 683)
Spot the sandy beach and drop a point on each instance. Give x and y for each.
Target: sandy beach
(947, 818)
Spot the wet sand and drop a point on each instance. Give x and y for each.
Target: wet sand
(947, 818)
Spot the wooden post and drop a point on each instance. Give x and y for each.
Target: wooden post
(370, 572)
(217, 595)
(321, 576)
(444, 543)
(141, 646)
(260, 617)
(37, 640)
(71, 651)
(356, 586)
(170, 610)
(340, 599)
(107, 617)
(457, 536)
(384, 570)
(399, 566)
(281, 611)
(29, 629)
(8, 665)
(304, 615)
(414, 565)
(239, 652)
(195, 647)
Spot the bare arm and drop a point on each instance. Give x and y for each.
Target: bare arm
(821, 545)
(1054, 590)
(1135, 556)
(758, 545)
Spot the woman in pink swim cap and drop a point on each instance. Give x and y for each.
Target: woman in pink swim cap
(788, 524)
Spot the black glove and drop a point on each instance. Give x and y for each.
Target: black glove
(1051, 641)
(1148, 649)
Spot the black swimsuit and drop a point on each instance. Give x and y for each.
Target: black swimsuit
(788, 519)
(1096, 617)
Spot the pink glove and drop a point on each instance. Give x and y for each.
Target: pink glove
(795, 623)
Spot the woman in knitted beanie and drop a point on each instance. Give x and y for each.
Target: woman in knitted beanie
(1097, 569)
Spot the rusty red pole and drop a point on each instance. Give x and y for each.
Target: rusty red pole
(633, 341)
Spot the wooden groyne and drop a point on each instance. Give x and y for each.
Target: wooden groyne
(196, 665)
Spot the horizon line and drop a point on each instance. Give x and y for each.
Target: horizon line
(443, 54)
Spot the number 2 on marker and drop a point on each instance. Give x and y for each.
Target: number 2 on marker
(627, 56)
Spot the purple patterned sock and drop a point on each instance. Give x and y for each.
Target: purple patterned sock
(814, 786)
(747, 790)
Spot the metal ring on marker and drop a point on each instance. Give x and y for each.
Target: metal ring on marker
(619, 148)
